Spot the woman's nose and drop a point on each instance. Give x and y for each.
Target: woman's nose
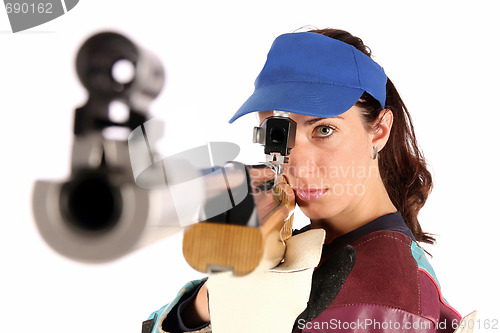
(301, 161)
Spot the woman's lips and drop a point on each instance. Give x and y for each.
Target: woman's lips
(308, 195)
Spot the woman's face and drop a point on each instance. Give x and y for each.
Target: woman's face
(331, 163)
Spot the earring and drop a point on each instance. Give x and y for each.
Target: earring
(375, 152)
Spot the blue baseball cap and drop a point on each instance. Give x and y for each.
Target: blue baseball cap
(314, 75)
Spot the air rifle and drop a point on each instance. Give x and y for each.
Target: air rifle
(121, 195)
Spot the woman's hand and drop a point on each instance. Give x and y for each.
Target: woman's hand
(196, 314)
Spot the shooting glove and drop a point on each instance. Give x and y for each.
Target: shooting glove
(266, 301)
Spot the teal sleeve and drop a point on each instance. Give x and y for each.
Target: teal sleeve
(153, 323)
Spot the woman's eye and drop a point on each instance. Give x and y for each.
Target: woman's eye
(323, 131)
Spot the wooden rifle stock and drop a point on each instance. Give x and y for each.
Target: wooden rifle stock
(219, 245)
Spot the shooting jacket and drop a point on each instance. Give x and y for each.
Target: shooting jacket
(373, 279)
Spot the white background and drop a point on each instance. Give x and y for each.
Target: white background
(442, 56)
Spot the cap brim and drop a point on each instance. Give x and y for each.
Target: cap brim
(306, 98)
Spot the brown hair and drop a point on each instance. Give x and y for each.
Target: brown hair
(401, 163)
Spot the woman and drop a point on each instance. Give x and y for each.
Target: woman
(357, 173)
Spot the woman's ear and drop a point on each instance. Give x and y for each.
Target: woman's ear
(382, 128)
